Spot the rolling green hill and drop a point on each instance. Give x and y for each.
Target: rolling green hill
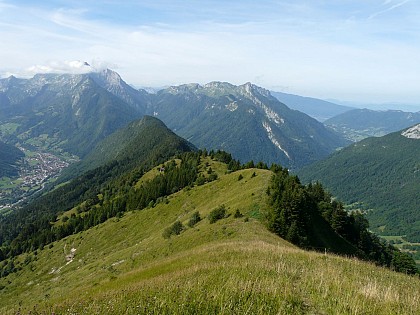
(127, 265)
(380, 175)
(9, 156)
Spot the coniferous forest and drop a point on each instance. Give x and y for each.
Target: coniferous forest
(310, 217)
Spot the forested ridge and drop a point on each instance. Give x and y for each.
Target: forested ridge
(145, 140)
(9, 156)
(381, 176)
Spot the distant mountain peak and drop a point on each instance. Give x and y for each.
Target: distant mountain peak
(412, 133)
(219, 85)
(184, 88)
(218, 88)
(251, 88)
(113, 83)
(109, 77)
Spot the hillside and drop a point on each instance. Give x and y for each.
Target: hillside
(127, 266)
(144, 139)
(380, 175)
(9, 157)
(246, 121)
(319, 109)
(359, 124)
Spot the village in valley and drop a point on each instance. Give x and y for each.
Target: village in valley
(36, 170)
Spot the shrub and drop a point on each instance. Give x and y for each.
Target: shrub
(238, 214)
(212, 177)
(240, 177)
(174, 229)
(217, 214)
(195, 218)
(201, 180)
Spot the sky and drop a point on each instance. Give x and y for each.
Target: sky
(364, 51)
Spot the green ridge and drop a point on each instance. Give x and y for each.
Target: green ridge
(379, 175)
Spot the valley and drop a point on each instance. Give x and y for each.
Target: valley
(35, 171)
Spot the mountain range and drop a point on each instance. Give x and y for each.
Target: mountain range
(72, 113)
(61, 112)
(245, 120)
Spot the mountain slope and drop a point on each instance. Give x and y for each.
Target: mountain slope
(358, 124)
(246, 121)
(62, 112)
(9, 156)
(316, 108)
(126, 266)
(382, 174)
(113, 83)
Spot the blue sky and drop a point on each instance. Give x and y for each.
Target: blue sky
(360, 51)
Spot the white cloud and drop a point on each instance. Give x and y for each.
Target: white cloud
(74, 67)
(393, 7)
(316, 53)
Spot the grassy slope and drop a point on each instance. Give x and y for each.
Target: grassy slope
(125, 266)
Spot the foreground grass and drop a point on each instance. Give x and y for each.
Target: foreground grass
(234, 266)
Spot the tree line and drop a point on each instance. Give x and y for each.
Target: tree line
(310, 217)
